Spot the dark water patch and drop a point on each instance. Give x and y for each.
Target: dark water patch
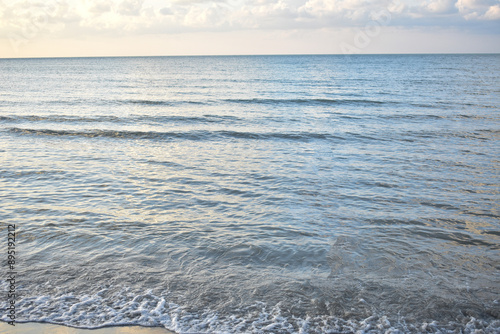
(31, 173)
(7, 119)
(437, 205)
(495, 233)
(397, 222)
(484, 214)
(456, 238)
(407, 116)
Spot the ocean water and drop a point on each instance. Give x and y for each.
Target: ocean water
(259, 194)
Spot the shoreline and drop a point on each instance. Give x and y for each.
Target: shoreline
(47, 328)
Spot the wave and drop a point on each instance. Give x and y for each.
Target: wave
(477, 134)
(412, 117)
(117, 307)
(208, 135)
(147, 102)
(172, 135)
(115, 119)
(316, 101)
(144, 102)
(301, 101)
(440, 105)
(158, 102)
(58, 118)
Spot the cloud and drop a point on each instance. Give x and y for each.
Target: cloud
(89, 17)
(493, 13)
(441, 6)
(479, 9)
(99, 7)
(166, 11)
(130, 7)
(213, 16)
(350, 9)
(29, 18)
(194, 2)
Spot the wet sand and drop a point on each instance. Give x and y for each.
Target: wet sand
(39, 328)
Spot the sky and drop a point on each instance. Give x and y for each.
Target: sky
(70, 28)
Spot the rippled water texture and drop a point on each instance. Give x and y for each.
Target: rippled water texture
(265, 194)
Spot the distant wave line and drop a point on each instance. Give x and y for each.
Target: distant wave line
(190, 135)
(446, 105)
(117, 119)
(315, 101)
(302, 101)
(176, 102)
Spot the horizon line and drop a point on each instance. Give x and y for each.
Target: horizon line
(261, 55)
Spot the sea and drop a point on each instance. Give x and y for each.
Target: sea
(253, 194)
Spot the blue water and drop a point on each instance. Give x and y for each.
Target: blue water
(259, 194)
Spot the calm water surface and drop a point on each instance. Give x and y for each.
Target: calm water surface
(265, 194)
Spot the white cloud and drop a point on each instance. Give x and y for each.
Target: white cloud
(213, 16)
(166, 11)
(89, 17)
(194, 2)
(130, 7)
(99, 7)
(493, 13)
(441, 6)
(479, 9)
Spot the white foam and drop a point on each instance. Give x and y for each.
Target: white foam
(125, 308)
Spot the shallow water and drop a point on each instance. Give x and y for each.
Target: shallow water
(262, 194)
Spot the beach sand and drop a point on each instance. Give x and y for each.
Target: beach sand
(39, 328)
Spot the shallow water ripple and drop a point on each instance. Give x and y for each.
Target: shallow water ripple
(280, 194)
